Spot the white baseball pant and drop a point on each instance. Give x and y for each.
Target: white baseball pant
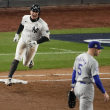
(23, 51)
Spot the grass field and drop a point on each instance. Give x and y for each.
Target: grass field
(53, 54)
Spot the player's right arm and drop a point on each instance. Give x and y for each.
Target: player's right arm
(95, 74)
(20, 29)
(106, 96)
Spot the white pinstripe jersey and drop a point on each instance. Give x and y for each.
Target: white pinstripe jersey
(33, 30)
(86, 67)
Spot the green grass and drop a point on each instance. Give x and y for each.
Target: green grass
(53, 54)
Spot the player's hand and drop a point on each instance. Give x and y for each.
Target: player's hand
(106, 97)
(16, 38)
(32, 44)
(72, 89)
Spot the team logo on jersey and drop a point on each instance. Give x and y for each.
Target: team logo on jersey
(96, 69)
(35, 30)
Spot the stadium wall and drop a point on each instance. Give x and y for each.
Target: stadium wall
(95, 1)
(28, 3)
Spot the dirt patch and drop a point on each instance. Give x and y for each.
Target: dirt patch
(59, 17)
(50, 90)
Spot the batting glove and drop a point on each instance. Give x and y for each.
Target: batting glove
(32, 44)
(16, 38)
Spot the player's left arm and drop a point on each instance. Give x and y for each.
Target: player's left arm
(21, 27)
(73, 79)
(74, 75)
(45, 34)
(42, 39)
(71, 94)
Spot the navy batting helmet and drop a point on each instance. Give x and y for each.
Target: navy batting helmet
(35, 8)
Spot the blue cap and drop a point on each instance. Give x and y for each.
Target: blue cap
(95, 44)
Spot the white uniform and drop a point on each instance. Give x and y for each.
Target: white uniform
(86, 67)
(32, 31)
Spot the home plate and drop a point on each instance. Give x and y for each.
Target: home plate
(14, 81)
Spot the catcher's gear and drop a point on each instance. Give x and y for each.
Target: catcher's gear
(16, 38)
(32, 44)
(71, 99)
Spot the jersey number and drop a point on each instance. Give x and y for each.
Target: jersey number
(79, 69)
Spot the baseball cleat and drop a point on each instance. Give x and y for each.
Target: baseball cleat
(9, 83)
(31, 64)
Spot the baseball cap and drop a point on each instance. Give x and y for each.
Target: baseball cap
(95, 44)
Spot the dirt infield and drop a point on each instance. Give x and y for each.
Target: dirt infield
(49, 91)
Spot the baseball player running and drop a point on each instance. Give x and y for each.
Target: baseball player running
(85, 70)
(34, 31)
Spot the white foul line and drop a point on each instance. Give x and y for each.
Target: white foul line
(68, 74)
(50, 75)
(47, 53)
(62, 52)
(49, 80)
(104, 73)
(57, 80)
(38, 75)
(104, 78)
